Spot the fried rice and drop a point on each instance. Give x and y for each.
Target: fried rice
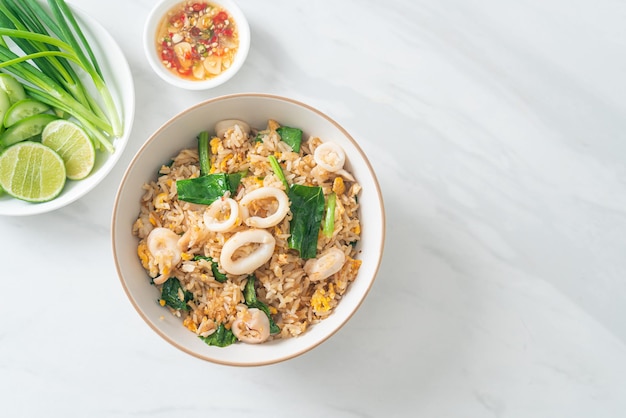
(294, 301)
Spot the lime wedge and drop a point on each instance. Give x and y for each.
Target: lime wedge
(31, 171)
(73, 145)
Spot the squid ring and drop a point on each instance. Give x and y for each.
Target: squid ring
(163, 244)
(264, 193)
(251, 326)
(211, 219)
(327, 264)
(223, 126)
(329, 156)
(252, 261)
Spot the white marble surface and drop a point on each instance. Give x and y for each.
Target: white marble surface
(496, 129)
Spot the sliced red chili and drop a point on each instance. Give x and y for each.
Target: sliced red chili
(178, 17)
(197, 7)
(220, 17)
(167, 54)
(195, 55)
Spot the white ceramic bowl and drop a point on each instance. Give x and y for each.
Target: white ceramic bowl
(149, 42)
(119, 78)
(180, 132)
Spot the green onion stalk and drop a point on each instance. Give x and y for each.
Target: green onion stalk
(52, 44)
(278, 170)
(43, 88)
(203, 153)
(24, 21)
(329, 220)
(89, 62)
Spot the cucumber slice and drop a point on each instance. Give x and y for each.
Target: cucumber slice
(12, 87)
(25, 129)
(23, 109)
(5, 103)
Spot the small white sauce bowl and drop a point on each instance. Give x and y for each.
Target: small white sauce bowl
(149, 42)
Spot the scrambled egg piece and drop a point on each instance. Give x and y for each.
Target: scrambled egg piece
(339, 186)
(215, 144)
(142, 252)
(160, 201)
(186, 256)
(190, 324)
(320, 301)
(224, 163)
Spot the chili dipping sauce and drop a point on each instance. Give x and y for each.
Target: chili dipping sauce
(197, 40)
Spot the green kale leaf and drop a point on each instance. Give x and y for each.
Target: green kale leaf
(170, 294)
(249, 294)
(291, 136)
(217, 274)
(222, 337)
(307, 207)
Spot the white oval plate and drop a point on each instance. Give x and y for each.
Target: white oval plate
(119, 78)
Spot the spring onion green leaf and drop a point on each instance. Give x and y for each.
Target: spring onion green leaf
(22, 17)
(53, 50)
(63, 13)
(70, 27)
(222, 337)
(44, 86)
(307, 207)
(329, 219)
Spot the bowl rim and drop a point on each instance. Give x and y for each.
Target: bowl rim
(149, 28)
(362, 297)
